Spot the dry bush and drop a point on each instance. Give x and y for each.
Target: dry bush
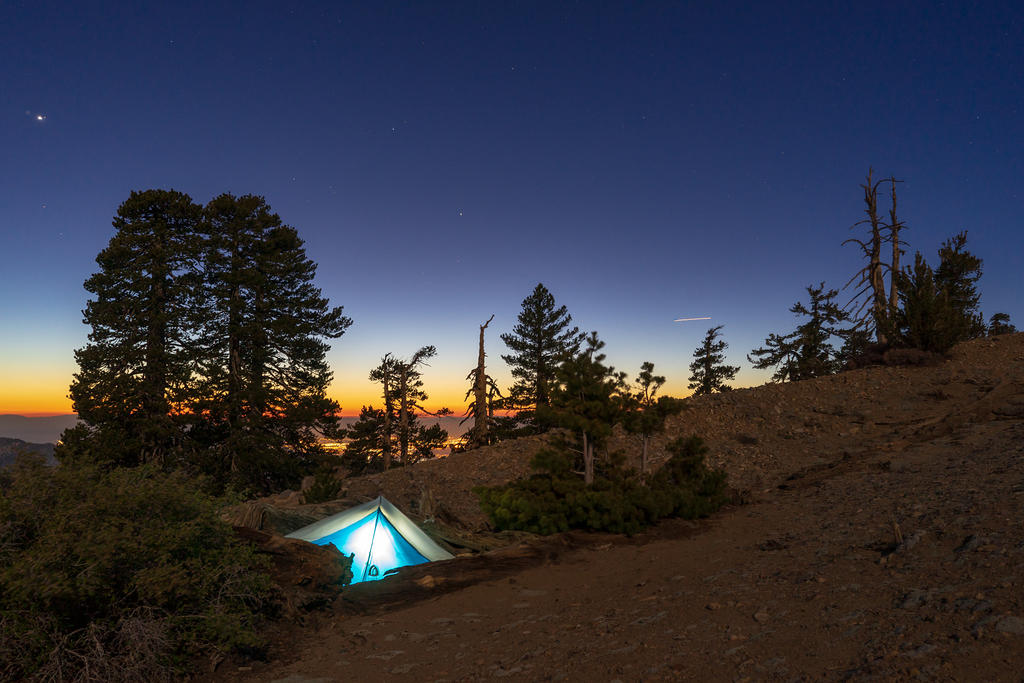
(119, 575)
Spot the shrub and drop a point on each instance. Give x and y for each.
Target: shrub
(123, 574)
(326, 486)
(556, 500)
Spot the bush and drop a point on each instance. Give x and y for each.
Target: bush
(557, 500)
(326, 486)
(123, 574)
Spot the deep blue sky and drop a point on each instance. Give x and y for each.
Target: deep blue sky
(645, 161)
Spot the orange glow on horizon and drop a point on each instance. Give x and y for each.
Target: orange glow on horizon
(45, 394)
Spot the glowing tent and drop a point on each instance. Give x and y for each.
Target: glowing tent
(378, 538)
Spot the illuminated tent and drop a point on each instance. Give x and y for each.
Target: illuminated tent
(378, 538)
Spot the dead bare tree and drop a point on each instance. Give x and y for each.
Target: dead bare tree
(870, 280)
(894, 237)
(484, 391)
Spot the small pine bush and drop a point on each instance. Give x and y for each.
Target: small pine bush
(124, 574)
(326, 486)
(556, 500)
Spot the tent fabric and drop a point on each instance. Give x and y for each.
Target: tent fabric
(377, 536)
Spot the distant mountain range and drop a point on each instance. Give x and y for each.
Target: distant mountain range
(47, 430)
(10, 449)
(37, 430)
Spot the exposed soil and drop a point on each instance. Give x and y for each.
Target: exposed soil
(884, 539)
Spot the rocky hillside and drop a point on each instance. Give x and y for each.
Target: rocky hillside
(759, 436)
(882, 541)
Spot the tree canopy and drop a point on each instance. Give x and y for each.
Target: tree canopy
(207, 346)
(709, 373)
(540, 340)
(806, 352)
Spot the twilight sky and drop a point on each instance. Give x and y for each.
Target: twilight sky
(645, 161)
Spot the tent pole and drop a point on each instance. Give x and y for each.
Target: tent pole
(369, 554)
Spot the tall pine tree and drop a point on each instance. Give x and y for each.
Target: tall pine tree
(958, 274)
(264, 351)
(540, 341)
(133, 384)
(401, 431)
(710, 373)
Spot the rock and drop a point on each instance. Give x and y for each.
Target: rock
(761, 616)
(1011, 624)
(914, 599)
(427, 581)
(310, 576)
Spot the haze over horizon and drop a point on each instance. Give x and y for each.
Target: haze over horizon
(645, 163)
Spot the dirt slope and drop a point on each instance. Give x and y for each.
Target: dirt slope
(885, 540)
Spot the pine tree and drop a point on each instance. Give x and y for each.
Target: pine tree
(926, 319)
(403, 392)
(940, 307)
(645, 411)
(999, 323)
(958, 274)
(264, 351)
(410, 393)
(367, 442)
(540, 340)
(385, 374)
(133, 384)
(586, 401)
(710, 373)
(806, 352)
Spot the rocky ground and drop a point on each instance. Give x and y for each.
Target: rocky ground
(883, 539)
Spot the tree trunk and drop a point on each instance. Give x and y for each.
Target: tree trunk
(388, 400)
(588, 460)
(894, 235)
(234, 397)
(258, 362)
(403, 414)
(153, 399)
(541, 398)
(479, 435)
(875, 275)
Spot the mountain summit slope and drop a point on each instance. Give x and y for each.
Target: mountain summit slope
(884, 541)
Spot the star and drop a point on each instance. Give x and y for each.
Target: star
(40, 117)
